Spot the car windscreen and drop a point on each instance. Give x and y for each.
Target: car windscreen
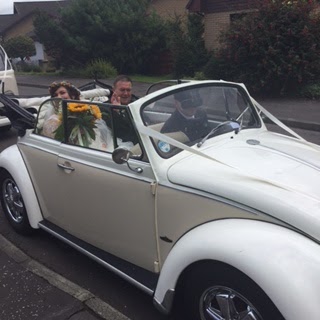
(195, 113)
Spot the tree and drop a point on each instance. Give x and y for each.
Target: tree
(20, 47)
(120, 31)
(196, 43)
(276, 49)
(51, 34)
(179, 48)
(187, 45)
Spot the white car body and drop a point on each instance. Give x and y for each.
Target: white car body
(247, 198)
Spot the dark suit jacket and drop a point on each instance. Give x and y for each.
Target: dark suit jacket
(194, 128)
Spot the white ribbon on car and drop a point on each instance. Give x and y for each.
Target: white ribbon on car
(276, 121)
(160, 136)
(282, 125)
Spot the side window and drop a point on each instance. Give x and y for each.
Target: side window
(86, 127)
(124, 131)
(49, 118)
(76, 123)
(98, 126)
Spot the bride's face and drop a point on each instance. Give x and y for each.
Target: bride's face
(62, 93)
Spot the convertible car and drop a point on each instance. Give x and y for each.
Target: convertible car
(8, 84)
(184, 193)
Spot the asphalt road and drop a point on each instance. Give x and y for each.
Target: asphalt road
(78, 268)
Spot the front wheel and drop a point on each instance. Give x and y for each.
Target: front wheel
(13, 205)
(5, 128)
(223, 293)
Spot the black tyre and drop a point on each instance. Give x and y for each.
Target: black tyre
(13, 205)
(5, 128)
(212, 292)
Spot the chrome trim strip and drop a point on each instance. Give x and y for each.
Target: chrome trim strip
(100, 261)
(239, 206)
(212, 196)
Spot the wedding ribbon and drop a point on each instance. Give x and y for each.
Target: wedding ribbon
(160, 136)
(276, 121)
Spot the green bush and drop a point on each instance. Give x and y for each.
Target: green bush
(20, 47)
(275, 49)
(100, 69)
(311, 91)
(215, 69)
(23, 66)
(199, 76)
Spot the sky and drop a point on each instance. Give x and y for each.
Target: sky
(6, 6)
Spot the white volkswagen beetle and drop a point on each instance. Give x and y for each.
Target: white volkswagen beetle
(184, 193)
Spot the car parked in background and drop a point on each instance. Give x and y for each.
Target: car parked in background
(200, 206)
(8, 84)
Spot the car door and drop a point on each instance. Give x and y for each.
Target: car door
(83, 191)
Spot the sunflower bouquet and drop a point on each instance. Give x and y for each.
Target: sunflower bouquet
(81, 123)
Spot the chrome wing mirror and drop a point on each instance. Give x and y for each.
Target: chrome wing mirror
(122, 155)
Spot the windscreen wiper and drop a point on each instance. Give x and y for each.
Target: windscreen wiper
(234, 124)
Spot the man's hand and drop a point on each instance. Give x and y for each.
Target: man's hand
(115, 99)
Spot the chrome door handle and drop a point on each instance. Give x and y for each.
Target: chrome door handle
(65, 167)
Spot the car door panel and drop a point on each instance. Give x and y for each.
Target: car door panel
(102, 203)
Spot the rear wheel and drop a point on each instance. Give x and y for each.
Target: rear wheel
(13, 205)
(223, 293)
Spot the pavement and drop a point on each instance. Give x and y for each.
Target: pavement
(29, 290)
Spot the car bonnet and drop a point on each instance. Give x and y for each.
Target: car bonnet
(275, 174)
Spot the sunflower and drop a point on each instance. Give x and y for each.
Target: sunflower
(77, 107)
(95, 110)
(81, 123)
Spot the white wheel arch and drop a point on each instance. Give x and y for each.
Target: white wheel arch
(12, 161)
(284, 263)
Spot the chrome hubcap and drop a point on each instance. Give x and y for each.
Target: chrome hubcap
(222, 303)
(13, 200)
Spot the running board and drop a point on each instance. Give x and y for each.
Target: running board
(139, 277)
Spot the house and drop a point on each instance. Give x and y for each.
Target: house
(21, 23)
(168, 9)
(217, 14)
